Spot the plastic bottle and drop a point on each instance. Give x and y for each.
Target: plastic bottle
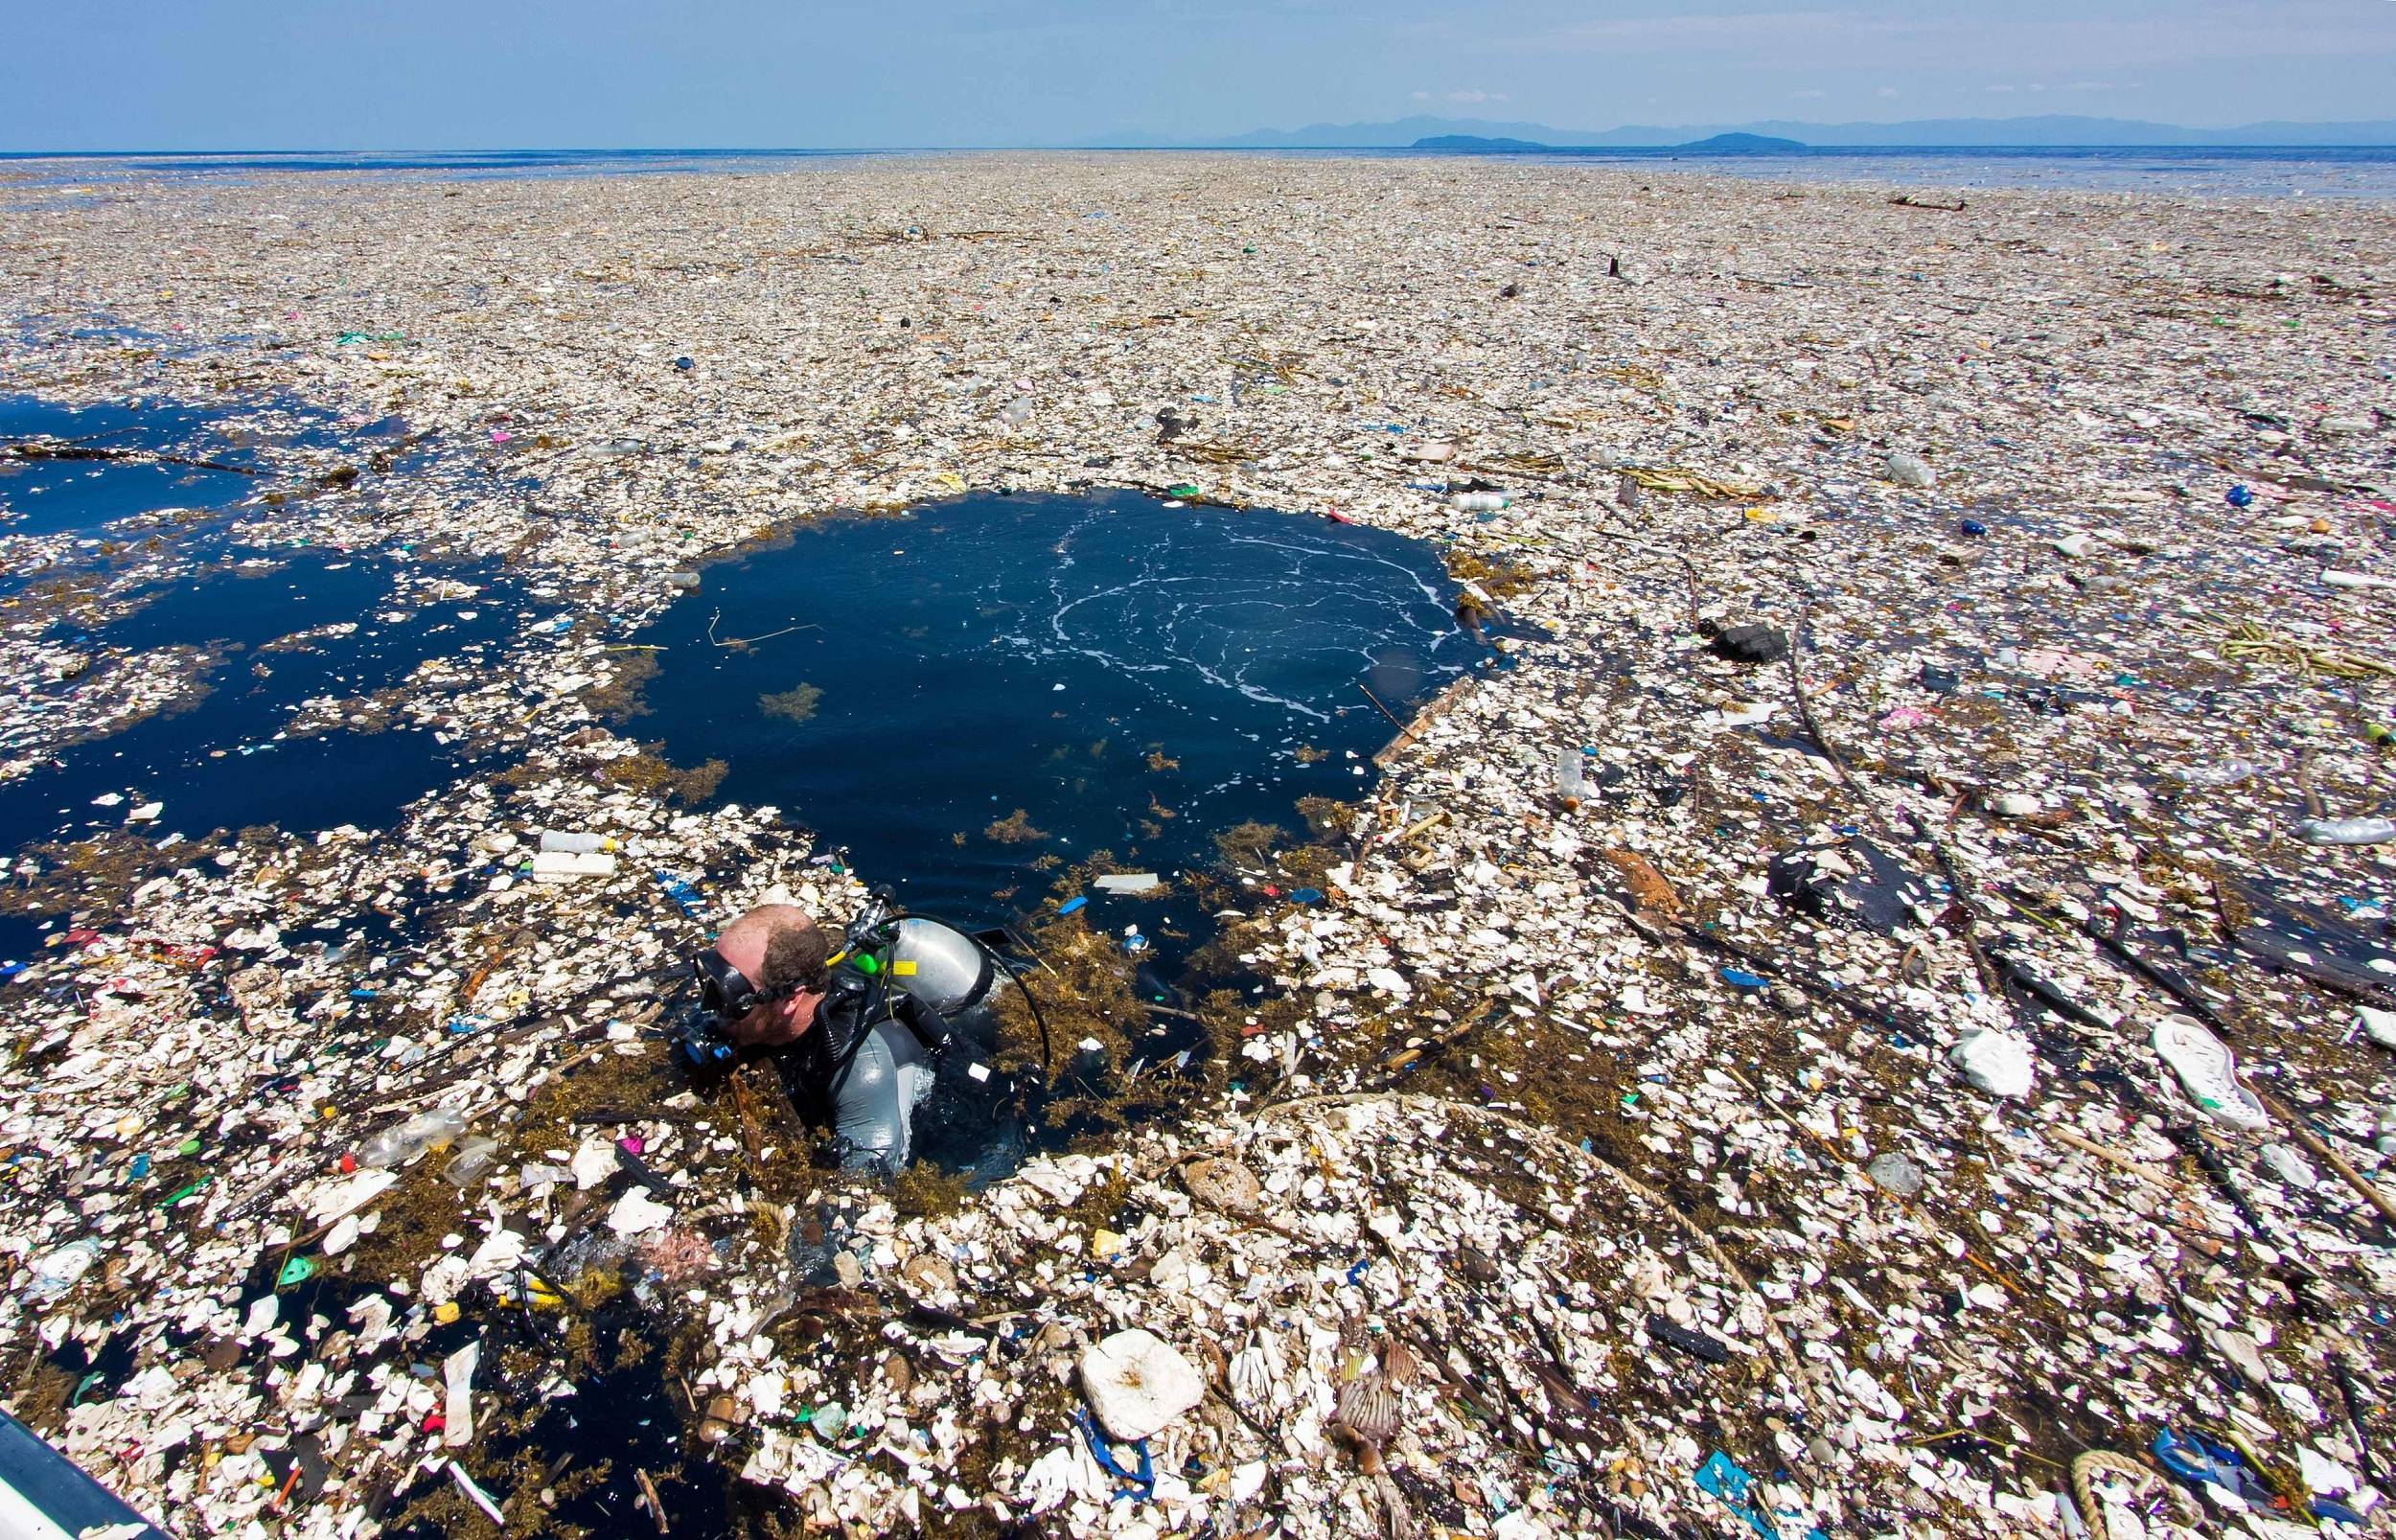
(1569, 783)
(1480, 502)
(2226, 772)
(2346, 831)
(401, 1142)
(1910, 470)
(471, 1158)
(576, 844)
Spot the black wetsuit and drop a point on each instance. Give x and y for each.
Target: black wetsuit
(870, 1092)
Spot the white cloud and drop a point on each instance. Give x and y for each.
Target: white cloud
(1999, 90)
(1886, 92)
(1809, 96)
(1419, 96)
(1474, 99)
(2035, 87)
(2091, 85)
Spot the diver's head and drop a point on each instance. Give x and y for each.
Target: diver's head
(764, 976)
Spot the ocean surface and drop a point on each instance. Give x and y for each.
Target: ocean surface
(983, 692)
(973, 696)
(2247, 171)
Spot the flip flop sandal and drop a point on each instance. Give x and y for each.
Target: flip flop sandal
(2206, 1067)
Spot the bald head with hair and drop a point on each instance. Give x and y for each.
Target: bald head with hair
(775, 947)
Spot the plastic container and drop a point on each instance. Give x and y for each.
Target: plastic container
(401, 1142)
(2346, 831)
(2222, 772)
(470, 1159)
(1910, 470)
(1571, 782)
(60, 1270)
(555, 842)
(562, 866)
(1480, 502)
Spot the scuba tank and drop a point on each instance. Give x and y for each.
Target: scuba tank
(930, 976)
(939, 965)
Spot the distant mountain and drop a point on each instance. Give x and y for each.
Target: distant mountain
(1740, 143)
(1404, 133)
(1467, 140)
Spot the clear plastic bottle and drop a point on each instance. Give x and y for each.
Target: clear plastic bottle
(2220, 772)
(470, 1159)
(1480, 502)
(403, 1141)
(555, 842)
(2346, 831)
(1571, 784)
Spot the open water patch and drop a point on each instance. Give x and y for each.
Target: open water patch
(983, 692)
(272, 645)
(80, 469)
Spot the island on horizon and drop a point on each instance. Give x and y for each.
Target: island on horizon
(1722, 144)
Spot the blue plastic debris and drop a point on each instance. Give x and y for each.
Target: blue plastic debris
(1141, 1483)
(684, 896)
(1724, 1480)
(2240, 495)
(1741, 979)
(1072, 904)
(2193, 1457)
(1305, 895)
(1973, 526)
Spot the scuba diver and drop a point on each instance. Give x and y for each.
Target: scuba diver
(873, 1031)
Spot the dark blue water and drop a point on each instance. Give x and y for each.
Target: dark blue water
(46, 496)
(221, 763)
(1134, 677)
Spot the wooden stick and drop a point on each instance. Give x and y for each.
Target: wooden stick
(649, 1490)
(1403, 731)
(2137, 1168)
(2320, 1151)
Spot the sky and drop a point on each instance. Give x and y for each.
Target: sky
(434, 74)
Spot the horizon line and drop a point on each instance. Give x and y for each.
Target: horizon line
(1100, 147)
